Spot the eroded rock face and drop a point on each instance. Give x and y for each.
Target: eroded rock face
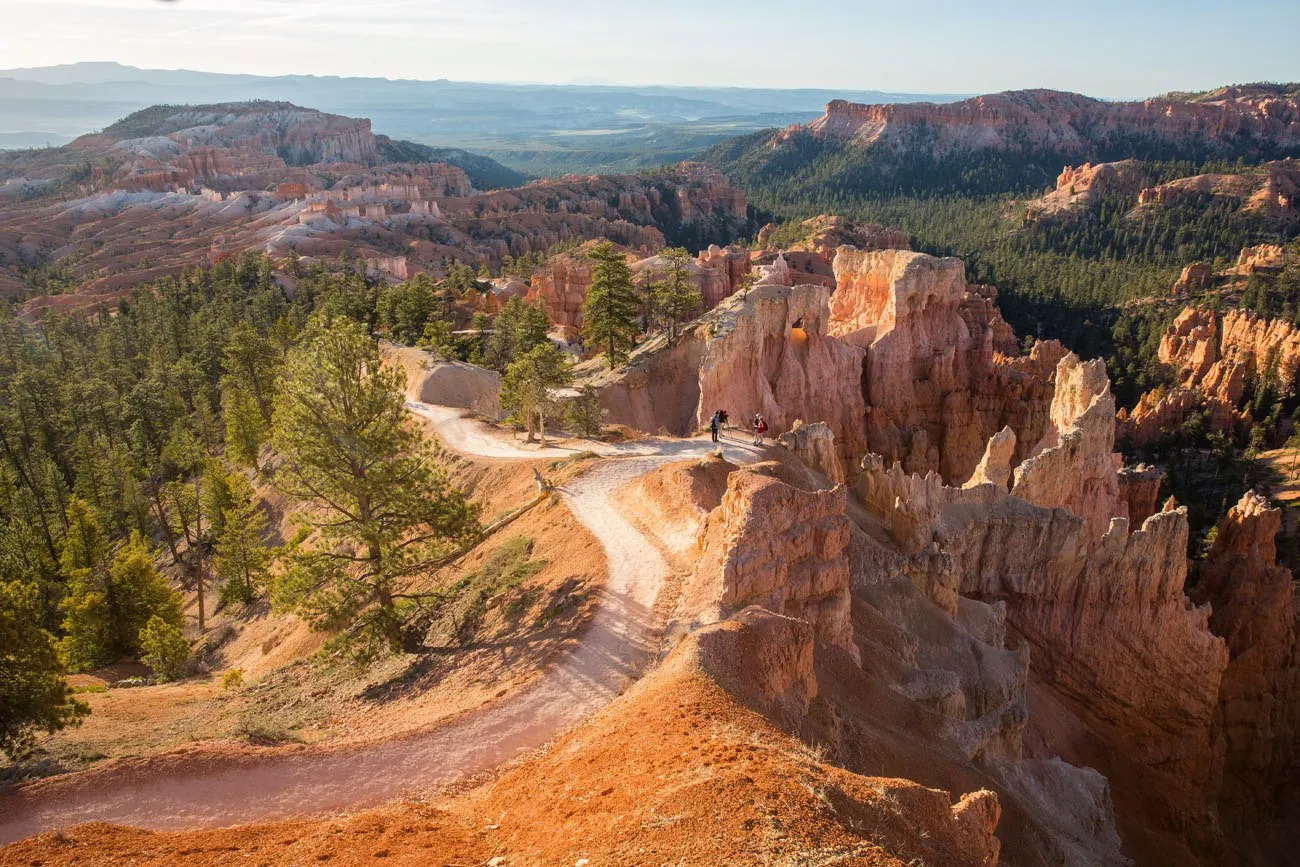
(1113, 640)
(814, 444)
(1196, 277)
(1262, 257)
(995, 467)
(824, 234)
(446, 383)
(768, 662)
(764, 350)
(1258, 728)
(1074, 465)
(1140, 487)
(731, 264)
(1271, 189)
(778, 547)
(951, 655)
(1215, 355)
(1158, 415)
(560, 287)
(937, 382)
(1062, 122)
(1077, 187)
(768, 351)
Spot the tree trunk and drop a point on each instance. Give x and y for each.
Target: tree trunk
(197, 550)
(163, 523)
(541, 423)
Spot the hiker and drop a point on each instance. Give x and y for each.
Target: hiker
(714, 422)
(760, 428)
(723, 418)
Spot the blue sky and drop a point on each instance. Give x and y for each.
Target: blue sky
(1104, 48)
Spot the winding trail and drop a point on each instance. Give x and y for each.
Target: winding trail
(616, 649)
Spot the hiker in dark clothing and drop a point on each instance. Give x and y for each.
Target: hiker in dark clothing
(714, 423)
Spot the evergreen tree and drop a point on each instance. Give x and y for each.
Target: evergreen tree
(163, 648)
(675, 297)
(106, 608)
(610, 309)
(515, 331)
(584, 414)
(243, 559)
(246, 429)
(382, 510)
(34, 696)
(528, 385)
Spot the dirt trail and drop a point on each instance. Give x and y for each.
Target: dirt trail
(615, 650)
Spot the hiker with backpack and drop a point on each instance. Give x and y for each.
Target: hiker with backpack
(714, 423)
(760, 428)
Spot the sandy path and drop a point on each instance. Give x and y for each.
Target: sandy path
(616, 649)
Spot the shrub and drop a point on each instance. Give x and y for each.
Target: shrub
(232, 679)
(164, 648)
(584, 414)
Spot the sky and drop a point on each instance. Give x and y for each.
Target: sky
(1103, 48)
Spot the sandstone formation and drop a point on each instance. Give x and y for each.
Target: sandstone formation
(560, 287)
(903, 359)
(445, 383)
(1078, 187)
(1215, 356)
(1074, 467)
(1140, 487)
(1261, 257)
(783, 549)
(153, 216)
(1196, 278)
(1114, 643)
(1270, 190)
(1066, 122)
(995, 467)
(765, 350)
(937, 690)
(1214, 353)
(826, 233)
(1161, 414)
(814, 445)
(937, 382)
(1258, 727)
(731, 264)
(1188, 703)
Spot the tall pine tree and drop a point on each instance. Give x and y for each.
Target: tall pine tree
(382, 509)
(610, 309)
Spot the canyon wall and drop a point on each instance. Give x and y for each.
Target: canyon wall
(1187, 700)
(1067, 122)
(937, 380)
(1215, 356)
(778, 547)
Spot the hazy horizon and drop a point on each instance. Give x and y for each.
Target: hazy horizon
(936, 47)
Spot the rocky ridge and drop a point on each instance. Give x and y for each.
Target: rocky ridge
(1035, 541)
(1067, 122)
(1214, 356)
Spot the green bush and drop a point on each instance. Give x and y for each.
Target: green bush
(232, 679)
(164, 648)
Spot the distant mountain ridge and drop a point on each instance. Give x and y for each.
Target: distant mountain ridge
(298, 136)
(1013, 141)
(538, 129)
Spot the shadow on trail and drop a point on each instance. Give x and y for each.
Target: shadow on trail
(209, 787)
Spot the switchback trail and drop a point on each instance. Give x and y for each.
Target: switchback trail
(175, 792)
